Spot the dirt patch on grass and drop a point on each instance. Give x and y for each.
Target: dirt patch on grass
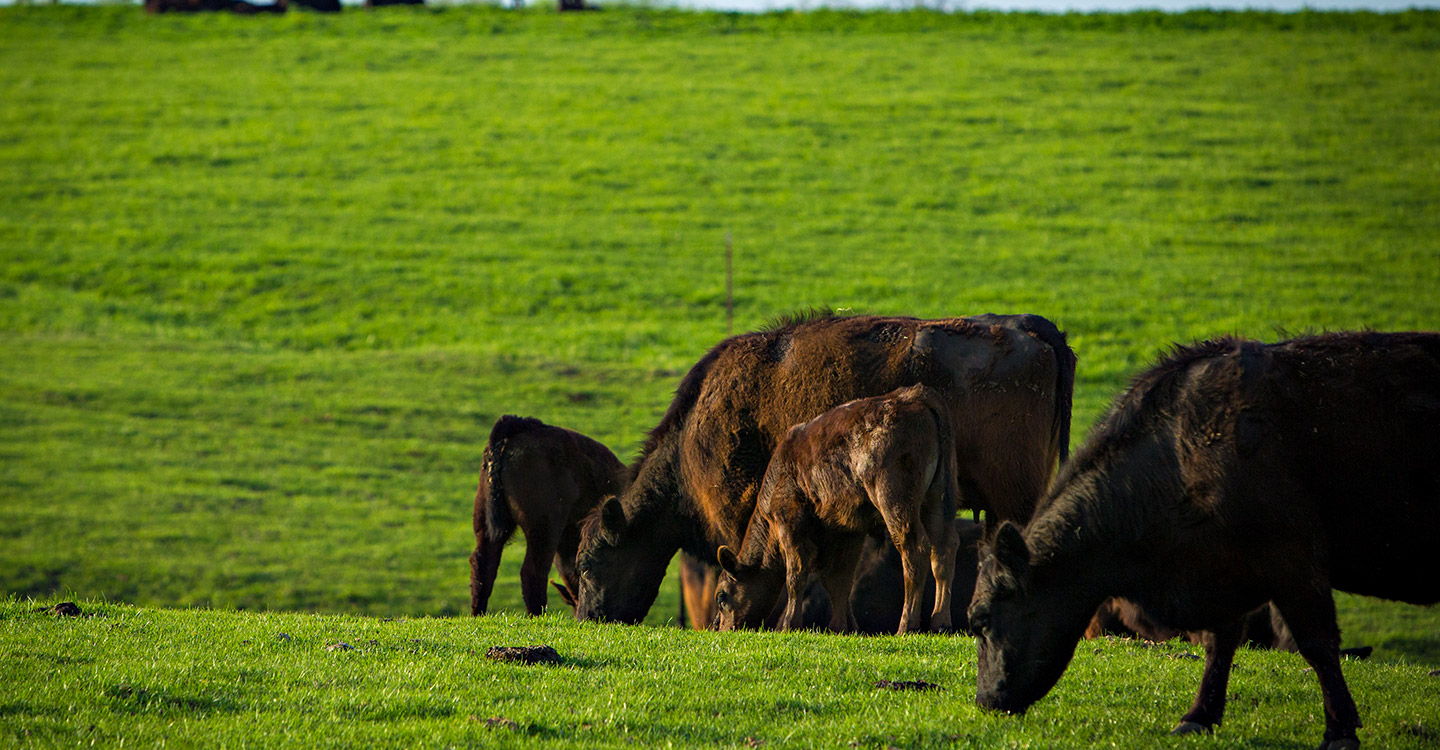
(906, 685)
(524, 654)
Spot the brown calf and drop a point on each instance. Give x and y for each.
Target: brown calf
(544, 479)
(872, 465)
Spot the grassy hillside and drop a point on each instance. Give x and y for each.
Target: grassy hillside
(151, 677)
(266, 282)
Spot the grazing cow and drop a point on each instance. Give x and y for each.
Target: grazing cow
(873, 465)
(544, 479)
(1231, 474)
(1007, 381)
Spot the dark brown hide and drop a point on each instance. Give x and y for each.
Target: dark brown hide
(1231, 474)
(1007, 381)
(881, 465)
(545, 480)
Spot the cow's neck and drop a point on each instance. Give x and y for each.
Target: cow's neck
(1085, 539)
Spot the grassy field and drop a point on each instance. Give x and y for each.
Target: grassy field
(267, 281)
(156, 678)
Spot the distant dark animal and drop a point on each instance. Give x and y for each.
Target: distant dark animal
(873, 465)
(545, 480)
(1231, 474)
(567, 5)
(321, 6)
(383, 3)
(877, 599)
(242, 7)
(1007, 381)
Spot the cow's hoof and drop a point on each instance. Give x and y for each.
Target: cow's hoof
(1189, 727)
(1348, 743)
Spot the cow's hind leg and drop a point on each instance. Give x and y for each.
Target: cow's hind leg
(1209, 706)
(1311, 617)
(484, 563)
(541, 543)
(901, 511)
(839, 580)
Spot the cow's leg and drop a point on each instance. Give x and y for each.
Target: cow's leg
(1209, 706)
(839, 580)
(698, 582)
(945, 541)
(1311, 617)
(799, 561)
(484, 562)
(541, 542)
(906, 531)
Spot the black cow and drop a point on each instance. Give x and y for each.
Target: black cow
(1231, 474)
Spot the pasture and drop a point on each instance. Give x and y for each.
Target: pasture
(268, 281)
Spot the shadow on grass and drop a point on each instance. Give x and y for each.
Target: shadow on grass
(132, 699)
(1412, 649)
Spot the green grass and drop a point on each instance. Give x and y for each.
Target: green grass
(151, 677)
(266, 283)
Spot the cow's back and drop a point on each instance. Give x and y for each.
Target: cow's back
(1351, 422)
(999, 381)
(1369, 438)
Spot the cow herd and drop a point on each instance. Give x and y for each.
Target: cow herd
(814, 470)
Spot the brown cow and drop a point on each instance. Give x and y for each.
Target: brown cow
(1231, 474)
(545, 479)
(1007, 381)
(873, 465)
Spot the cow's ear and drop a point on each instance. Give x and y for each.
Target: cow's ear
(727, 559)
(565, 594)
(612, 518)
(1011, 552)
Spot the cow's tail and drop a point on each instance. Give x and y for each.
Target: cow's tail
(1048, 334)
(947, 471)
(492, 505)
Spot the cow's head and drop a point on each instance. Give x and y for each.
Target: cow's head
(1025, 636)
(745, 594)
(621, 564)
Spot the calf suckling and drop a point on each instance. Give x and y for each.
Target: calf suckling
(880, 465)
(1231, 474)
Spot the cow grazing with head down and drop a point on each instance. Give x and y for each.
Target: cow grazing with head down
(1230, 474)
(545, 480)
(1007, 381)
(884, 464)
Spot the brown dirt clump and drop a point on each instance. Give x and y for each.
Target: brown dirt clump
(524, 654)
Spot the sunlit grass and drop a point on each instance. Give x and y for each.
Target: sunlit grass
(267, 281)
